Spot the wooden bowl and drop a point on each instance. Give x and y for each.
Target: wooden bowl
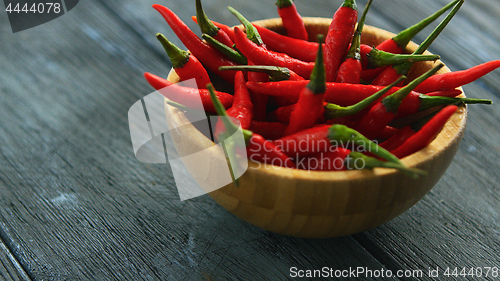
(331, 204)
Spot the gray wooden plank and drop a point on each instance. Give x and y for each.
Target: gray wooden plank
(76, 204)
(10, 269)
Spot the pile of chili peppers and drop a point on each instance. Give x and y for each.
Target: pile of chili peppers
(325, 103)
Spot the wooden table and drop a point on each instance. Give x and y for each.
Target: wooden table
(76, 204)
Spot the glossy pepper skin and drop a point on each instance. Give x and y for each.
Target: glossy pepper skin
(350, 70)
(262, 56)
(452, 80)
(258, 148)
(296, 48)
(292, 21)
(381, 114)
(390, 74)
(343, 94)
(309, 107)
(339, 37)
(242, 107)
(426, 134)
(269, 130)
(209, 56)
(334, 111)
(414, 103)
(189, 97)
(305, 142)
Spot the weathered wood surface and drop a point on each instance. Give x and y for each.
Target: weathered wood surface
(76, 204)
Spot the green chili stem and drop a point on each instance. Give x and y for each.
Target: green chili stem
(336, 111)
(354, 50)
(205, 24)
(378, 58)
(177, 56)
(393, 101)
(427, 102)
(317, 83)
(284, 3)
(405, 36)
(221, 111)
(251, 31)
(370, 163)
(350, 4)
(226, 50)
(404, 68)
(344, 134)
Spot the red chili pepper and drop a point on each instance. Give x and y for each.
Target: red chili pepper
(258, 148)
(225, 50)
(343, 94)
(261, 150)
(398, 43)
(346, 120)
(242, 108)
(259, 100)
(185, 65)
(367, 74)
(339, 36)
(336, 111)
(263, 56)
(381, 114)
(252, 35)
(269, 130)
(390, 74)
(350, 70)
(189, 97)
(340, 135)
(209, 56)
(281, 114)
(426, 134)
(406, 132)
(343, 136)
(309, 107)
(207, 27)
(275, 73)
(452, 80)
(388, 132)
(292, 21)
(399, 138)
(414, 103)
(306, 142)
(296, 48)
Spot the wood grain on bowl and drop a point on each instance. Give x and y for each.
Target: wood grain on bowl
(331, 204)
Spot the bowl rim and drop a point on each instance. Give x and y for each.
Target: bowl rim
(452, 132)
